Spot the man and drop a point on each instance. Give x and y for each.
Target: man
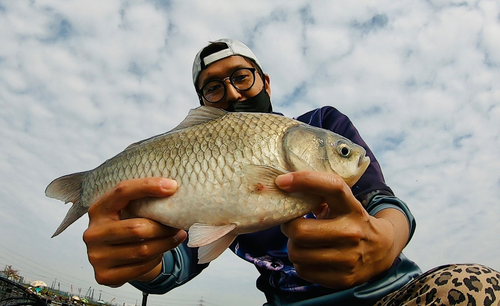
(347, 253)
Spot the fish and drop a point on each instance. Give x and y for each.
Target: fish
(225, 164)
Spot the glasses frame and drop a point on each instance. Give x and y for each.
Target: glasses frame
(223, 81)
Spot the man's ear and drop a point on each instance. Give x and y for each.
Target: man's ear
(267, 83)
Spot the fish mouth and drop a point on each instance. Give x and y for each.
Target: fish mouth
(363, 162)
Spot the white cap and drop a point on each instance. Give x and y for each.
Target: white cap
(234, 47)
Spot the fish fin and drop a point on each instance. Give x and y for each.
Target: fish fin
(68, 188)
(74, 213)
(262, 177)
(135, 144)
(199, 115)
(203, 234)
(209, 252)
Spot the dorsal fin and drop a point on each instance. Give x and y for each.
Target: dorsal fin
(199, 115)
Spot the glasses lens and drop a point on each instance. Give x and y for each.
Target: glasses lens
(243, 79)
(213, 91)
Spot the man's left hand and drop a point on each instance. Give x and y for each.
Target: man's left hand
(345, 246)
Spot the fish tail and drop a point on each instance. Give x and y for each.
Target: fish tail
(68, 188)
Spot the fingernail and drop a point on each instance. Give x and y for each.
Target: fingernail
(284, 181)
(168, 185)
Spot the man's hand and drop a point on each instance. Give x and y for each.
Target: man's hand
(132, 249)
(345, 246)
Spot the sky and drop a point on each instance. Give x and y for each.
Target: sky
(81, 80)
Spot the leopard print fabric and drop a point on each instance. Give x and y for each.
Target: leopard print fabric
(466, 284)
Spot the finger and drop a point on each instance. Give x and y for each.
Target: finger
(322, 233)
(119, 196)
(116, 264)
(319, 183)
(131, 254)
(331, 187)
(340, 278)
(321, 255)
(128, 231)
(118, 276)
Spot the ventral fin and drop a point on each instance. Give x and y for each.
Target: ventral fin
(209, 252)
(199, 115)
(262, 177)
(203, 234)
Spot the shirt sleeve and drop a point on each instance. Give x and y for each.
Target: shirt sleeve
(179, 267)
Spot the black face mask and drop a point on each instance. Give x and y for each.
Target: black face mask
(260, 103)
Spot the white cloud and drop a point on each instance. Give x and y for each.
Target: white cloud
(81, 80)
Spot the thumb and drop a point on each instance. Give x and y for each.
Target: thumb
(331, 187)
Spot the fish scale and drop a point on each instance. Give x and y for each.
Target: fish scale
(225, 165)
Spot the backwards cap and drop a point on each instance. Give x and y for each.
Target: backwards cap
(234, 47)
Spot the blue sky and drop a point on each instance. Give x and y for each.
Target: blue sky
(81, 80)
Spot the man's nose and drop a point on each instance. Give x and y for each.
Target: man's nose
(232, 94)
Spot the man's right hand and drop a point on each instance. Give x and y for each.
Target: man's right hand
(132, 249)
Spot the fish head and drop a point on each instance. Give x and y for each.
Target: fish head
(346, 158)
(311, 148)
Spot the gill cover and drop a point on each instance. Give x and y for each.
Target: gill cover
(304, 148)
(312, 148)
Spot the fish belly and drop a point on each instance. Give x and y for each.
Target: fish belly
(248, 210)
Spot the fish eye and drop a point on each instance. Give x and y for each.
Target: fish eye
(343, 149)
(321, 142)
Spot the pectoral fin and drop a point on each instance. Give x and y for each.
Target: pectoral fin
(262, 177)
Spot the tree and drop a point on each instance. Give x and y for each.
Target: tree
(11, 274)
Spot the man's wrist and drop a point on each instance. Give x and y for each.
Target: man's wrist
(151, 275)
(398, 224)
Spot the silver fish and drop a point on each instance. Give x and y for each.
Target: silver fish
(225, 165)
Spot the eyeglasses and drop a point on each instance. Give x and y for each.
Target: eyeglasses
(241, 79)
